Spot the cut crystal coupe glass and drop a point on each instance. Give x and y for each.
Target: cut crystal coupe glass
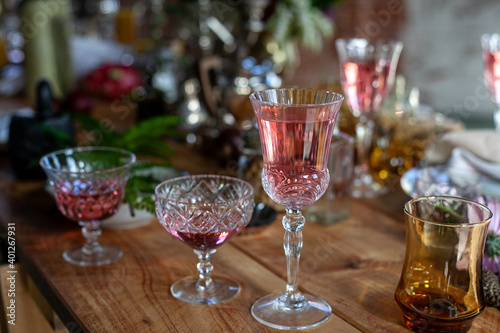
(204, 211)
(295, 127)
(89, 186)
(367, 73)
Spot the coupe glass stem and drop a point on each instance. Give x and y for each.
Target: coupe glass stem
(364, 132)
(91, 231)
(293, 222)
(496, 118)
(205, 268)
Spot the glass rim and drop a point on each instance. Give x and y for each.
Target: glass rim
(487, 36)
(204, 176)
(389, 41)
(448, 224)
(67, 151)
(339, 98)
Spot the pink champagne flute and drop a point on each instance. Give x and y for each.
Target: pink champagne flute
(89, 186)
(491, 59)
(295, 127)
(367, 74)
(204, 212)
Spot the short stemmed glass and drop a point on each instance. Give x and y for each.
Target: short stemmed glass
(295, 127)
(367, 73)
(491, 59)
(89, 186)
(204, 211)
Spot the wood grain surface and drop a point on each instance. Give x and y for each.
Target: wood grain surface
(354, 265)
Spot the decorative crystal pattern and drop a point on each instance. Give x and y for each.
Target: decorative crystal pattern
(204, 204)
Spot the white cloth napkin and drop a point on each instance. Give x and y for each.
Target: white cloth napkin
(472, 154)
(484, 144)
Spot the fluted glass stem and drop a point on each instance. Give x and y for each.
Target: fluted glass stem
(364, 133)
(293, 222)
(91, 231)
(205, 268)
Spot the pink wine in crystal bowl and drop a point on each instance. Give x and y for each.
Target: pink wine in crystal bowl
(367, 73)
(357, 82)
(203, 212)
(295, 172)
(491, 59)
(295, 128)
(492, 74)
(89, 185)
(78, 202)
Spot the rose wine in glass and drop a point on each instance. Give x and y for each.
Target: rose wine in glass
(362, 95)
(89, 186)
(367, 74)
(491, 59)
(295, 127)
(203, 212)
(79, 205)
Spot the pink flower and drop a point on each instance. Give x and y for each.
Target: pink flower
(491, 257)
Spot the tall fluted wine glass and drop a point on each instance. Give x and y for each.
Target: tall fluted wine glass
(204, 211)
(89, 186)
(491, 59)
(367, 74)
(295, 127)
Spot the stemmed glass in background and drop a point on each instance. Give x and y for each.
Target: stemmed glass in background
(491, 58)
(295, 128)
(89, 186)
(204, 211)
(367, 74)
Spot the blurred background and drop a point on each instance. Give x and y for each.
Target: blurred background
(123, 62)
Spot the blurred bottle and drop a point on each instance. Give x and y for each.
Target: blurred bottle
(46, 30)
(141, 24)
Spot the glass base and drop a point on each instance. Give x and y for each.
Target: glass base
(268, 311)
(107, 254)
(222, 290)
(367, 188)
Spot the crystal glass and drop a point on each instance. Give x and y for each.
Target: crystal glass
(89, 186)
(367, 75)
(204, 211)
(491, 59)
(440, 289)
(295, 127)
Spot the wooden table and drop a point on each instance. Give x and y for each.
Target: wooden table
(354, 265)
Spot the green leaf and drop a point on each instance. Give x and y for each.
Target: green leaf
(492, 247)
(57, 135)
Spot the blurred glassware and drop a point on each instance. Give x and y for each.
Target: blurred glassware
(491, 58)
(192, 110)
(250, 165)
(335, 205)
(438, 180)
(11, 36)
(404, 130)
(367, 74)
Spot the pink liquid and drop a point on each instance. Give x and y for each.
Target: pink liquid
(295, 147)
(492, 74)
(201, 229)
(82, 200)
(206, 241)
(365, 85)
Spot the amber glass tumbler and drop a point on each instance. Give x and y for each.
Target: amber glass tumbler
(440, 289)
